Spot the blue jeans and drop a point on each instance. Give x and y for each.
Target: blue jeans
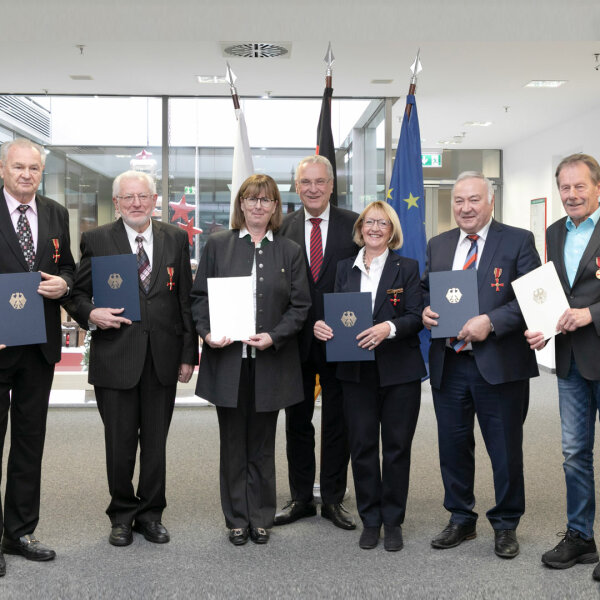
(579, 399)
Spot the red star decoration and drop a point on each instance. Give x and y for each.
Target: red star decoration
(191, 230)
(143, 154)
(181, 209)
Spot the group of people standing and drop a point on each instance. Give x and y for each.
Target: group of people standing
(369, 409)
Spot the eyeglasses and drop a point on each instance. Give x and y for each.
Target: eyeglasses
(383, 223)
(130, 197)
(264, 202)
(320, 183)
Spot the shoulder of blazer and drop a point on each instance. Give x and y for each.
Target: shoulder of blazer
(343, 214)
(555, 227)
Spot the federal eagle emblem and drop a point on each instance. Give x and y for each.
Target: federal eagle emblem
(348, 318)
(115, 281)
(453, 295)
(540, 295)
(18, 300)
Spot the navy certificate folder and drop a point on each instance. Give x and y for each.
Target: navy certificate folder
(22, 318)
(347, 314)
(116, 285)
(453, 295)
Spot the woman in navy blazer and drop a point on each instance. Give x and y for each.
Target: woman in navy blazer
(383, 395)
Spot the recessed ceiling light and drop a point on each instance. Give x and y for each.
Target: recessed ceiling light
(477, 123)
(545, 83)
(81, 77)
(211, 79)
(382, 81)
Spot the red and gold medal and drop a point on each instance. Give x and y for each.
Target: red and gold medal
(598, 265)
(497, 274)
(56, 254)
(170, 284)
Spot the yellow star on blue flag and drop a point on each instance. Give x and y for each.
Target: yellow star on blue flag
(412, 201)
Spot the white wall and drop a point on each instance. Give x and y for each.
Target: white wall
(529, 167)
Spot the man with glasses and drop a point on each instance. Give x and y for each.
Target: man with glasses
(135, 366)
(34, 236)
(485, 370)
(325, 233)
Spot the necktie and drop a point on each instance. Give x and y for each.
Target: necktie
(143, 262)
(470, 263)
(25, 237)
(316, 248)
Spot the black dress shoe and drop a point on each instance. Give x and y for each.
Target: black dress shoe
(294, 510)
(505, 543)
(596, 573)
(153, 531)
(369, 538)
(338, 515)
(238, 536)
(27, 546)
(453, 535)
(259, 535)
(120, 535)
(2, 565)
(392, 538)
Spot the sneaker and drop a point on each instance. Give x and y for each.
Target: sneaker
(570, 550)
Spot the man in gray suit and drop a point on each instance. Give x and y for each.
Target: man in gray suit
(574, 247)
(135, 366)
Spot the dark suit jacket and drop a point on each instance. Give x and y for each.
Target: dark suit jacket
(53, 223)
(584, 342)
(339, 245)
(282, 303)
(505, 355)
(398, 359)
(117, 355)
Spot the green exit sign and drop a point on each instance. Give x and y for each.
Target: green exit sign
(189, 189)
(431, 160)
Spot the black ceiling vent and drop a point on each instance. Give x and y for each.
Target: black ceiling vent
(257, 49)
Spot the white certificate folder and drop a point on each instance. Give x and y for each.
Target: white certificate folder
(541, 298)
(231, 308)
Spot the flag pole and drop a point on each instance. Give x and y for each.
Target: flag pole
(234, 95)
(415, 68)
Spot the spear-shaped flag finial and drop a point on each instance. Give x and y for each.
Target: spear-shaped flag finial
(230, 76)
(416, 68)
(329, 59)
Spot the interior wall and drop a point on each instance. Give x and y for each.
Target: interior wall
(529, 167)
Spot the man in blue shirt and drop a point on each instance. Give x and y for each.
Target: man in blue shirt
(574, 247)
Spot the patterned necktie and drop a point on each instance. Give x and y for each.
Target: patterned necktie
(25, 237)
(143, 262)
(316, 248)
(470, 263)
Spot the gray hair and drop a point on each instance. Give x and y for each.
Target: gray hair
(315, 159)
(586, 159)
(148, 179)
(23, 143)
(476, 175)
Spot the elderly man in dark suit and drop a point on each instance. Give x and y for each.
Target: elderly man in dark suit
(135, 366)
(34, 236)
(574, 248)
(485, 371)
(325, 233)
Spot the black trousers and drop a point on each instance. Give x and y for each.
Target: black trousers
(300, 434)
(24, 392)
(392, 412)
(247, 470)
(140, 415)
(500, 410)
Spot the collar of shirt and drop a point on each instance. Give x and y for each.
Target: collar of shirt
(376, 265)
(591, 221)
(13, 204)
(482, 233)
(268, 236)
(324, 215)
(132, 234)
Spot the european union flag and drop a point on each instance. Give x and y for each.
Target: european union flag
(407, 196)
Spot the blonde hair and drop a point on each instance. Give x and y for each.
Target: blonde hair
(396, 240)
